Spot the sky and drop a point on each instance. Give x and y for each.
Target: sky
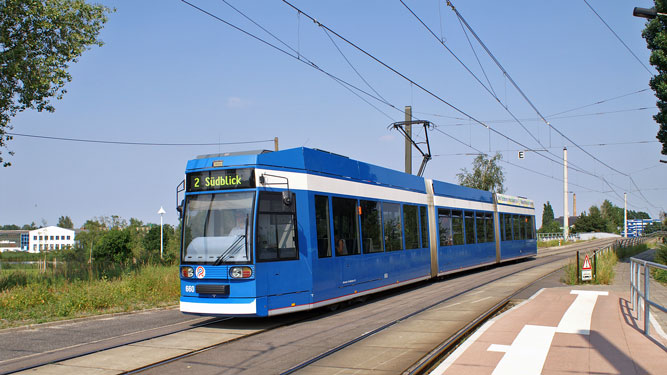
(169, 73)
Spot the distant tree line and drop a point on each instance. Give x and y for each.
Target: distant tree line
(606, 218)
(112, 238)
(16, 227)
(63, 222)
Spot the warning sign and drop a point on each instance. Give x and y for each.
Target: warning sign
(586, 273)
(587, 264)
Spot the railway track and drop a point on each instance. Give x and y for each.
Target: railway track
(308, 338)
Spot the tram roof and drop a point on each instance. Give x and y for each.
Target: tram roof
(329, 164)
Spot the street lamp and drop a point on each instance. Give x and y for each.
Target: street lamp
(161, 212)
(648, 13)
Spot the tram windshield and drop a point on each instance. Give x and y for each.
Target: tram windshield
(217, 228)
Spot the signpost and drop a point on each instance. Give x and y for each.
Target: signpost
(586, 272)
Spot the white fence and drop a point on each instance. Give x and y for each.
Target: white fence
(557, 236)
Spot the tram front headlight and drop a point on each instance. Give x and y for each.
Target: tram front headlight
(187, 272)
(240, 272)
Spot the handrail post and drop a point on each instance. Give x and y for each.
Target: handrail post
(632, 284)
(578, 275)
(647, 306)
(639, 289)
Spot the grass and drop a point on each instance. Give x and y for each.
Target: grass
(29, 298)
(605, 265)
(660, 257)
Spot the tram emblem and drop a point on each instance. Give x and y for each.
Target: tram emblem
(200, 272)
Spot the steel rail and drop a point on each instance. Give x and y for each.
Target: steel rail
(78, 355)
(433, 356)
(396, 321)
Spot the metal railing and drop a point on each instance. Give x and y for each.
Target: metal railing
(636, 266)
(557, 236)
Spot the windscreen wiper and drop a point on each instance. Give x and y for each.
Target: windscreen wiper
(233, 247)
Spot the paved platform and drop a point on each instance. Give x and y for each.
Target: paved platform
(566, 330)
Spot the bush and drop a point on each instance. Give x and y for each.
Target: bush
(660, 257)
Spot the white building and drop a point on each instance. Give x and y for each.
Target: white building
(50, 238)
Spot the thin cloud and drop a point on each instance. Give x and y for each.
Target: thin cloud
(236, 102)
(387, 138)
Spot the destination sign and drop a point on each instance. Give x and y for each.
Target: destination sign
(223, 179)
(514, 201)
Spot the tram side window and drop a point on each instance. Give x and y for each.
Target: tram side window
(480, 227)
(322, 225)
(346, 226)
(371, 227)
(423, 220)
(516, 225)
(445, 227)
(411, 223)
(276, 228)
(501, 226)
(470, 227)
(531, 227)
(393, 232)
(457, 227)
(524, 227)
(488, 220)
(508, 227)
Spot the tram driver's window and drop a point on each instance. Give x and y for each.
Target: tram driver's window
(276, 228)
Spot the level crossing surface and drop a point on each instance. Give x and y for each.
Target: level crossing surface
(566, 330)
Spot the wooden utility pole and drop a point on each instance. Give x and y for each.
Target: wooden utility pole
(408, 140)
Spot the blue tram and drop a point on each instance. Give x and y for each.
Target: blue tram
(268, 233)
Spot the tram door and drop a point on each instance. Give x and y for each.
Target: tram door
(325, 272)
(277, 244)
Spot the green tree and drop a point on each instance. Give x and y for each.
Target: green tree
(10, 227)
(30, 226)
(613, 215)
(173, 246)
(65, 222)
(547, 214)
(38, 41)
(638, 215)
(592, 222)
(152, 240)
(655, 34)
(114, 245)
(486, 174)
(654, 227)
(551, 227)
(90, 235)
